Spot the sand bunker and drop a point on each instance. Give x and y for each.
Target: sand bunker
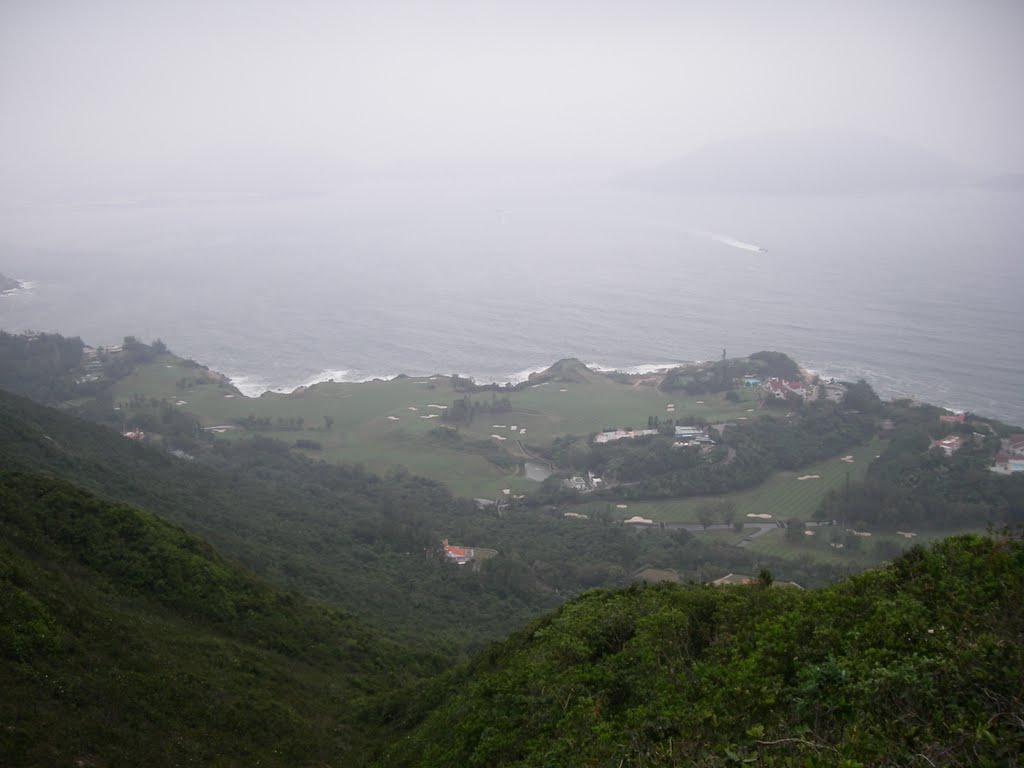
(637, 520)
(563, 390)
(429, 416)
(497, 426)
(809, 477)
(906, 534)
(761, 515)
(700, 402)
(622, 506)
(857, 533)
(228, 396)
(506, 491)
(513, 427)
(413, 408)
(847, 459)
(576, 515)
(808, 533)
(392, 418)
(181, 402)
(439, 407)
(498, 437)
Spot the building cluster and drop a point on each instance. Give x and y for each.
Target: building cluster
(949, 445)
(580, 483)
(1011, 455)
(782, 389)
(623, 434)
(689, 436)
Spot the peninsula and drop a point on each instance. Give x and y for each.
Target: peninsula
(8, 284)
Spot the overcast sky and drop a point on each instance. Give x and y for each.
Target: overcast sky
(112, 85)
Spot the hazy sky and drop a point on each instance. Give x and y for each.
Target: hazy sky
(106, 86)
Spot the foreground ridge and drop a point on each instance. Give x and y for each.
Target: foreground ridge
(917, 663)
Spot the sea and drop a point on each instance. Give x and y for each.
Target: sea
(919, 293)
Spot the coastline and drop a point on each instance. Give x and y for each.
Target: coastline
(10, 285)
(254, 386)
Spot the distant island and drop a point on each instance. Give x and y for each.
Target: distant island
(802, 164)
(8, 284)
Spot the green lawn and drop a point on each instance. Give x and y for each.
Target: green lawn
(363, 432)
(818, 547)
(547, 411)
(782, 496)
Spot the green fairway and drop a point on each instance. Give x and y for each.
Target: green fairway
(873, 549)
(783, 496)
(581, 408)
(384, 424)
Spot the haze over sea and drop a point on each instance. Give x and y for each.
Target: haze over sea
(919, 293)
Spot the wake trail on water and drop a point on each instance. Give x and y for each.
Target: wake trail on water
(718, 237)
(734, 243)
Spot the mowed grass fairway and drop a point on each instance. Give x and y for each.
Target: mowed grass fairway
(580, 408)
(866, 555)
(782, 496)
(384, 424)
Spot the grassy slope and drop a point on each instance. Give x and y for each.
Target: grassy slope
(920, 663)
(123, 640)
(783, 496)
(363, 433)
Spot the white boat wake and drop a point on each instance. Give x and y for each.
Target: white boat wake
(733, 242)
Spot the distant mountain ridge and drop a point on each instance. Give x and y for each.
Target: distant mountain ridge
(801, 164)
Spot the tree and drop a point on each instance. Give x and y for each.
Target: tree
(706, 514)
(328, 422)
(861, 397)
(795, 531)
(727, 511)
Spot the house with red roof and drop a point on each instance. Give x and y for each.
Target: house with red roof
(781, 388)
(1010, 458)
(949, 445)
(460, 555)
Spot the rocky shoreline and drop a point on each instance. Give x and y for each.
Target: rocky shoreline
(9, 284)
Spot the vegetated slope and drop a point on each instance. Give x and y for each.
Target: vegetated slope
(919, 663)
(358, 541)
(335, 533)
(125, 641)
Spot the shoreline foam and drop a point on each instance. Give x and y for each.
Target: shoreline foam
(254, 385)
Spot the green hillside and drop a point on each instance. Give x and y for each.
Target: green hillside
(125, 641)
(358, 541)
(338, 534)
(919, 663)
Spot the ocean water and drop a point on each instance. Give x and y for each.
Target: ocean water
(917, 293)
